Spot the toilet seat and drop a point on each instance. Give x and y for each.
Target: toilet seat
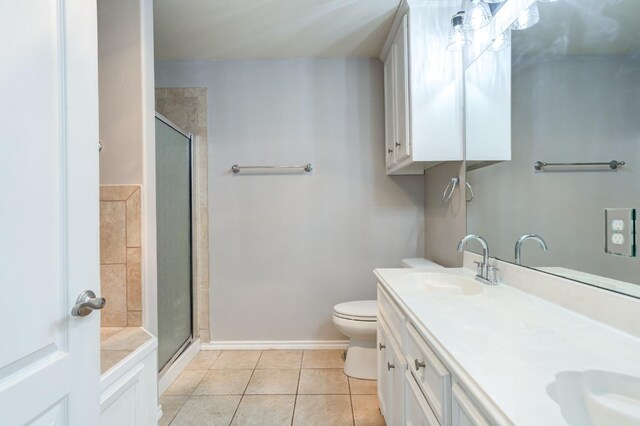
(361, 310)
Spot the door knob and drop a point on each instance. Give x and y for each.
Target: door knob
(86, 303)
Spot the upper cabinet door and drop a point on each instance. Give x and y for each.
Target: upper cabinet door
(389, 106)
(402, 144)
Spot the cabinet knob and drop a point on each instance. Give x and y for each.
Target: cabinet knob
(398, 144)
(419, 364)
(389, 151)
(390, 366)
(381, 346)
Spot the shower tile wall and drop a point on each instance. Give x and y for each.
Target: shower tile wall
(187, 108)
(120, 245)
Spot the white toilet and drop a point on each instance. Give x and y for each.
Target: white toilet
(358, 321)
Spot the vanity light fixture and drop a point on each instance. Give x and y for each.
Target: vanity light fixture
(477, 14)
(458, 37)
(503, 41)
(528, 18)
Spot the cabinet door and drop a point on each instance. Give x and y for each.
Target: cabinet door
(402, 143)
(465, 412)
(417, 409)
(389, 106)
(396, 369)
(383, 387)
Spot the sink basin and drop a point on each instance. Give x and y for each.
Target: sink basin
(439, 283)
(597, 397)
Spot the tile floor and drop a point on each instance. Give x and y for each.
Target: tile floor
(274, 387)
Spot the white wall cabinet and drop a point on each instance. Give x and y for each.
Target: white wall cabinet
(415, 387)
(423, 89)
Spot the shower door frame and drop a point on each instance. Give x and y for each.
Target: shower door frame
(194, 293)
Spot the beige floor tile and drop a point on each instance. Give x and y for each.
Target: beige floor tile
(366, 411)
(363, 387)
(110, 358)
(129, 338)
(323, 410)
(207, 411)
(106, 332)
(274, 382)
(170, 407)
(323, 359)
(265, 410)
(186, 382)
(204, 360)
(224, 382)
(328, 381)
(237, 360)
(280, 359)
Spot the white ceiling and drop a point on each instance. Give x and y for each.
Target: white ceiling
(582, 27)
(268, 29)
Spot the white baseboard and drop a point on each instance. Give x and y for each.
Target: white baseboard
(178, 365)
(275, 344)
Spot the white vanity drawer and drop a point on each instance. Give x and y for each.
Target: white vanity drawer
(392, 315)
(418, 412)
(432, 376)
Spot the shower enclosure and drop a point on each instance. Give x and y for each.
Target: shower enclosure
(174, 240)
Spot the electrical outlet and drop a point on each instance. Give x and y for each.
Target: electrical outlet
(620, 232)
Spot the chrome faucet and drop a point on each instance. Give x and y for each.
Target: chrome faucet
(524, 238)
(486, 273)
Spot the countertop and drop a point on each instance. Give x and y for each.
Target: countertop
(510, 344)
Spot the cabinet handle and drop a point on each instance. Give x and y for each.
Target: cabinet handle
(419, 364)
(398, 144)
(389, 151)
(381, 346)
(390, 366)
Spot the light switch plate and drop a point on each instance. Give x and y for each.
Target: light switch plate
(620, 232)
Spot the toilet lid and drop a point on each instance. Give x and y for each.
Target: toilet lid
(359, 309)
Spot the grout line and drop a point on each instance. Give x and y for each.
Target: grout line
(245, 388)
(353, 415)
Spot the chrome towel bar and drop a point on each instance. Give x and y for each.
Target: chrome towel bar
(613, 164)
(237, 169)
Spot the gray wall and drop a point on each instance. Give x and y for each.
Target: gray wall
(564, 109)
(120, 86)
(286, 247)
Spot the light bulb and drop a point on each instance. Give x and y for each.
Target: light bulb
(502, 41)
(458, 38)
(527, 18)
(477, 14)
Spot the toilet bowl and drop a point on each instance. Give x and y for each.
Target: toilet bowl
(358, 321)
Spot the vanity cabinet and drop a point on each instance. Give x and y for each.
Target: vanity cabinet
(415, 387)
(422, 89)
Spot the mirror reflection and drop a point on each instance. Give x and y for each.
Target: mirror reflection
(568, 92)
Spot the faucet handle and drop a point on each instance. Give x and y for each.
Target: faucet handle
(492, 274)
(479, 266)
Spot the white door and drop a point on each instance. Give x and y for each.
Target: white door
(49, 218)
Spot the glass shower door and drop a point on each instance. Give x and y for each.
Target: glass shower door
(174, 241)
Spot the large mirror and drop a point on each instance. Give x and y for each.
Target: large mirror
(574, 97)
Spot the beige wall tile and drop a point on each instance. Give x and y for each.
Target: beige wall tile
(363, 387)
(113, 283)
(186, 382)
(116, 192)
(161, 93)
(366, 411)
(323, 359)
(330, 381)
(224, 382)
(133, 219)
(207, 411)
(181, 111)
(134, 318)
(110, 358)
(273, 382)
(203, 110)
(278, 359)
(106, 332)
(134, 280)
(316, 410)
(237, 360)
(265, 410)
(203, 306)
(113, 248)
(205, 336)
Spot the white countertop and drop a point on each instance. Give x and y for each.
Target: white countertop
(512, 344)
